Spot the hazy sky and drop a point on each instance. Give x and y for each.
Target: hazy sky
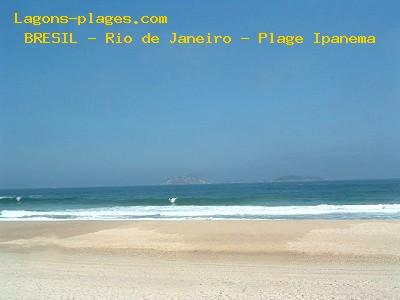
(106, 115)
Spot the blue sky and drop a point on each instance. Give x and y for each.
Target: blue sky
(92, 114)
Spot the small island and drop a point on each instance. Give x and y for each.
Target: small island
(185, 180)
(289, 178)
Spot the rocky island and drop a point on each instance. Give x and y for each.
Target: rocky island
(297, 178)
(185, 180)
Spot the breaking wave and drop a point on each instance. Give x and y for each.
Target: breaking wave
(209, 212)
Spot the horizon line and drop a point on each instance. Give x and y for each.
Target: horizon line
(210, 183)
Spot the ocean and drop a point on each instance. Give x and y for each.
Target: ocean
(357, 199)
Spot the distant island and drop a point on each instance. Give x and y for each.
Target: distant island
(298, 178)
(184, 180)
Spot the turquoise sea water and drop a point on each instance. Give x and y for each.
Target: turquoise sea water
(365, 199)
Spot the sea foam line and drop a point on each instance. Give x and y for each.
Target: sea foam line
(199, 212)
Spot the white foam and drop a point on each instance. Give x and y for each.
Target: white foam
(7, 197)
(203, 212)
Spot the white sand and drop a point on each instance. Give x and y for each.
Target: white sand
(200, 260)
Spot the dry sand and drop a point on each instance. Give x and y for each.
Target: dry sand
(200, 260)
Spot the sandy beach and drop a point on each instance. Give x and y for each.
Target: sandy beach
(200, 260)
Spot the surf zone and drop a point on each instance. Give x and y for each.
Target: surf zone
(324, 40)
